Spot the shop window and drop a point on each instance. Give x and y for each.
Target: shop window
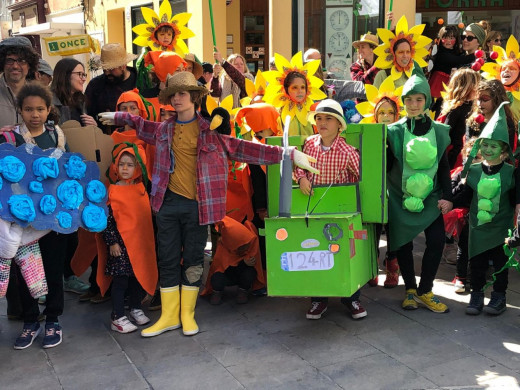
(255, 47)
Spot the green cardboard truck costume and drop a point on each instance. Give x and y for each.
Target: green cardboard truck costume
(327, 246)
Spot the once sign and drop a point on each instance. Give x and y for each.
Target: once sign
(68, 45)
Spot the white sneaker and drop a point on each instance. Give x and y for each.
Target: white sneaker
(138, 316)
(123, 325)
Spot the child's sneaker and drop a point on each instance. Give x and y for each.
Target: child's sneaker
(316, 311)
(123, 325)
(356, 310)
(75, 285)
(53, 335)
(29, 333)
(497, 303)
(409, 303)
(476, 303)
(459, 284)
(431, 302)
(138, 316)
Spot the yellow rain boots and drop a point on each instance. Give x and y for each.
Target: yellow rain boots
(188, 301)
(169, 319)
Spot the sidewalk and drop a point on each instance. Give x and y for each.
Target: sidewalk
(268, 344)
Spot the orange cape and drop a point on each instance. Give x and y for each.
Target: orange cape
(133, 215)
(237, 242)
(239, 192)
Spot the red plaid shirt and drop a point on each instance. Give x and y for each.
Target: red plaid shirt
(339, 164)
(363, 72)
(213, 151)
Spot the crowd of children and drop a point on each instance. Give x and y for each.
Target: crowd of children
(169, 179)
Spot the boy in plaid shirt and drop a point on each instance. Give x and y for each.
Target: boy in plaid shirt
(338, 163)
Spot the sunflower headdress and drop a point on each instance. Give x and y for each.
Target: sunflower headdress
(146, 31)
(374, 96)
(276, 94)
(386, 51)
(510, 54)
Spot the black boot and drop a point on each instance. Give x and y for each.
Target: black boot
(497, 303)
(476, 303)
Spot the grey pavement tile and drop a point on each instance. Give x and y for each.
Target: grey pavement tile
(191, 371)
(471, 371)
(416, 346)
(272, 371)
(322, 343)
(496, 341)
(376, 372)
(237, 344)
(41, 375)
(309, 380)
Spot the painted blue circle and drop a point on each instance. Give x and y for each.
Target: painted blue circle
(64, 219)
(75, 168)
(70, 194)
(48, 204)
(94, 218)
(36, 186)
(12, 168)
(96, 191)
(22, 207)
(44, 167)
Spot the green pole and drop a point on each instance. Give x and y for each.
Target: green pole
(212, 25)
(389, 10)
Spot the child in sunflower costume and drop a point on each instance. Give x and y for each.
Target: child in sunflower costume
(293, 88)
(161, 32)
(507, 70)
(418, 186)
(490, 193)
(398, 52)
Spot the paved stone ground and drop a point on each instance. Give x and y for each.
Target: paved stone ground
(268, 344)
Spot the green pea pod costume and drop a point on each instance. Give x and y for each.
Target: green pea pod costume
(405, 225)
(484, 234)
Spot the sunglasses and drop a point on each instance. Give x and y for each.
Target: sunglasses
(468, 38)
(498, 40)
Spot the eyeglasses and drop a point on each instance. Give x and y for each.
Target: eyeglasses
(81, 75)
(19, 61)
(467, 37)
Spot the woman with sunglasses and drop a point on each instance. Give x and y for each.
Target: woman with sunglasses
(449, 56)
(473, 38)
(493, 38)
(67, 90)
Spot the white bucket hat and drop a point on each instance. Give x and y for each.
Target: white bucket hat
(329, 107)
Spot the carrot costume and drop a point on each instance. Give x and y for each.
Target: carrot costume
(237, 242)
(131, 211)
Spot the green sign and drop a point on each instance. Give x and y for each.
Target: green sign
(463, 3)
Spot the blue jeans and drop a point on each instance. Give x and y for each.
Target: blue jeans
(180, 237)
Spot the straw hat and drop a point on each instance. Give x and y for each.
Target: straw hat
(369, 38)
(114, 55)
(197, 67)
(181, 81)
(329, 107)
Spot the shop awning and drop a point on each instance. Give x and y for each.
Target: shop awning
(49, 28)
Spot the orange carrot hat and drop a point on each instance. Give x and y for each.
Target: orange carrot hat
(133, 96)
(258, 117)
(165, 62)
(140, 158)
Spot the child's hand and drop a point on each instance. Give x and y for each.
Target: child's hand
(305, 186)
(217, 56)
(107, 118)
(445, 206)
(250, 262)
(115, 250)
(88, 120)
(7, 128)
